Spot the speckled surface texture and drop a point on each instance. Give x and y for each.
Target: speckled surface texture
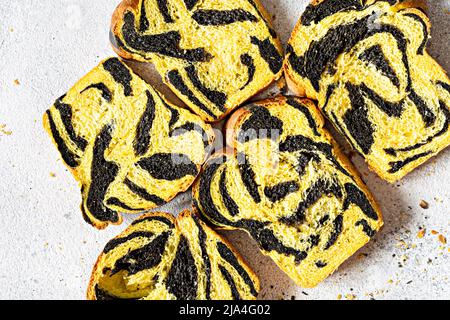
(47, 251)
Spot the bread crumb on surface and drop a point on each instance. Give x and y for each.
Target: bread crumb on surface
(4, 131)
(421, 233)
(339, 297)
(350, 297)
(442, 239)
(434, 232)
(424, 205)
(17, 82)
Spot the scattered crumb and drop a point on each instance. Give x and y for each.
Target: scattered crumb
(390, 281)
(434, 232)
(442, 239)
(52, 174)
(17, 82)
(421, 233)
(339, 297)
(4, 131)
(11, 29)
(424, 205)
(350, 297)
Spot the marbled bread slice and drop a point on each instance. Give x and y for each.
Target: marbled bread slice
(129, 148)
(213, 54)
(162, 258)
(366, 63)
(287, 184)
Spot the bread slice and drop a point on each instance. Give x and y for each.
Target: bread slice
(285, 181)
(162, 258)
(213, 54)
(367, 65)
(129, 148)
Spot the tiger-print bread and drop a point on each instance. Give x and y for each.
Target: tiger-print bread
(288, 185)
(162, 258)
(129, 148)
(213, 54)
(366, 63)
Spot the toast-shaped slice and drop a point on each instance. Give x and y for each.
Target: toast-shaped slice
(162, 258)
(129, 148)
(367, 65)
(213, 54)
(288, 185)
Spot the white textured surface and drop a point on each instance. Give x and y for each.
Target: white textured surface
(46, 249)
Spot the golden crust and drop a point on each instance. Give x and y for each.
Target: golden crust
(116, 20)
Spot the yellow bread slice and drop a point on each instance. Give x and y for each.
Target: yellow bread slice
(162, 258)
(367, 65)
(213, 54)
(129, 148)
(285, 181)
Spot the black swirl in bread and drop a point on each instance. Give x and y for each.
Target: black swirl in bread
(367, 65)
(129, 148)
(287, 184)
(213, 54)
(162, 258)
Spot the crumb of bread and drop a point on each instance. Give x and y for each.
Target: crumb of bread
(424, 205)
(421, 233)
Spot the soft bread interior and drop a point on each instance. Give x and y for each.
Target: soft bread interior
(292, 190)
(162, 258)
(223, 52)
(379, 87)
(129, 149)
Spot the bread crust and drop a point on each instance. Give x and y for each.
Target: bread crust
(116, 19)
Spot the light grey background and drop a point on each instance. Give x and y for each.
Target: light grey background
(46, 249)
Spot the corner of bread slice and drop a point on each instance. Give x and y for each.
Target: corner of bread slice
(418, 4)
(116, 24)
(301, 87)
(135, 229)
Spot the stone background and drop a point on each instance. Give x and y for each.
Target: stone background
(47, 251)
